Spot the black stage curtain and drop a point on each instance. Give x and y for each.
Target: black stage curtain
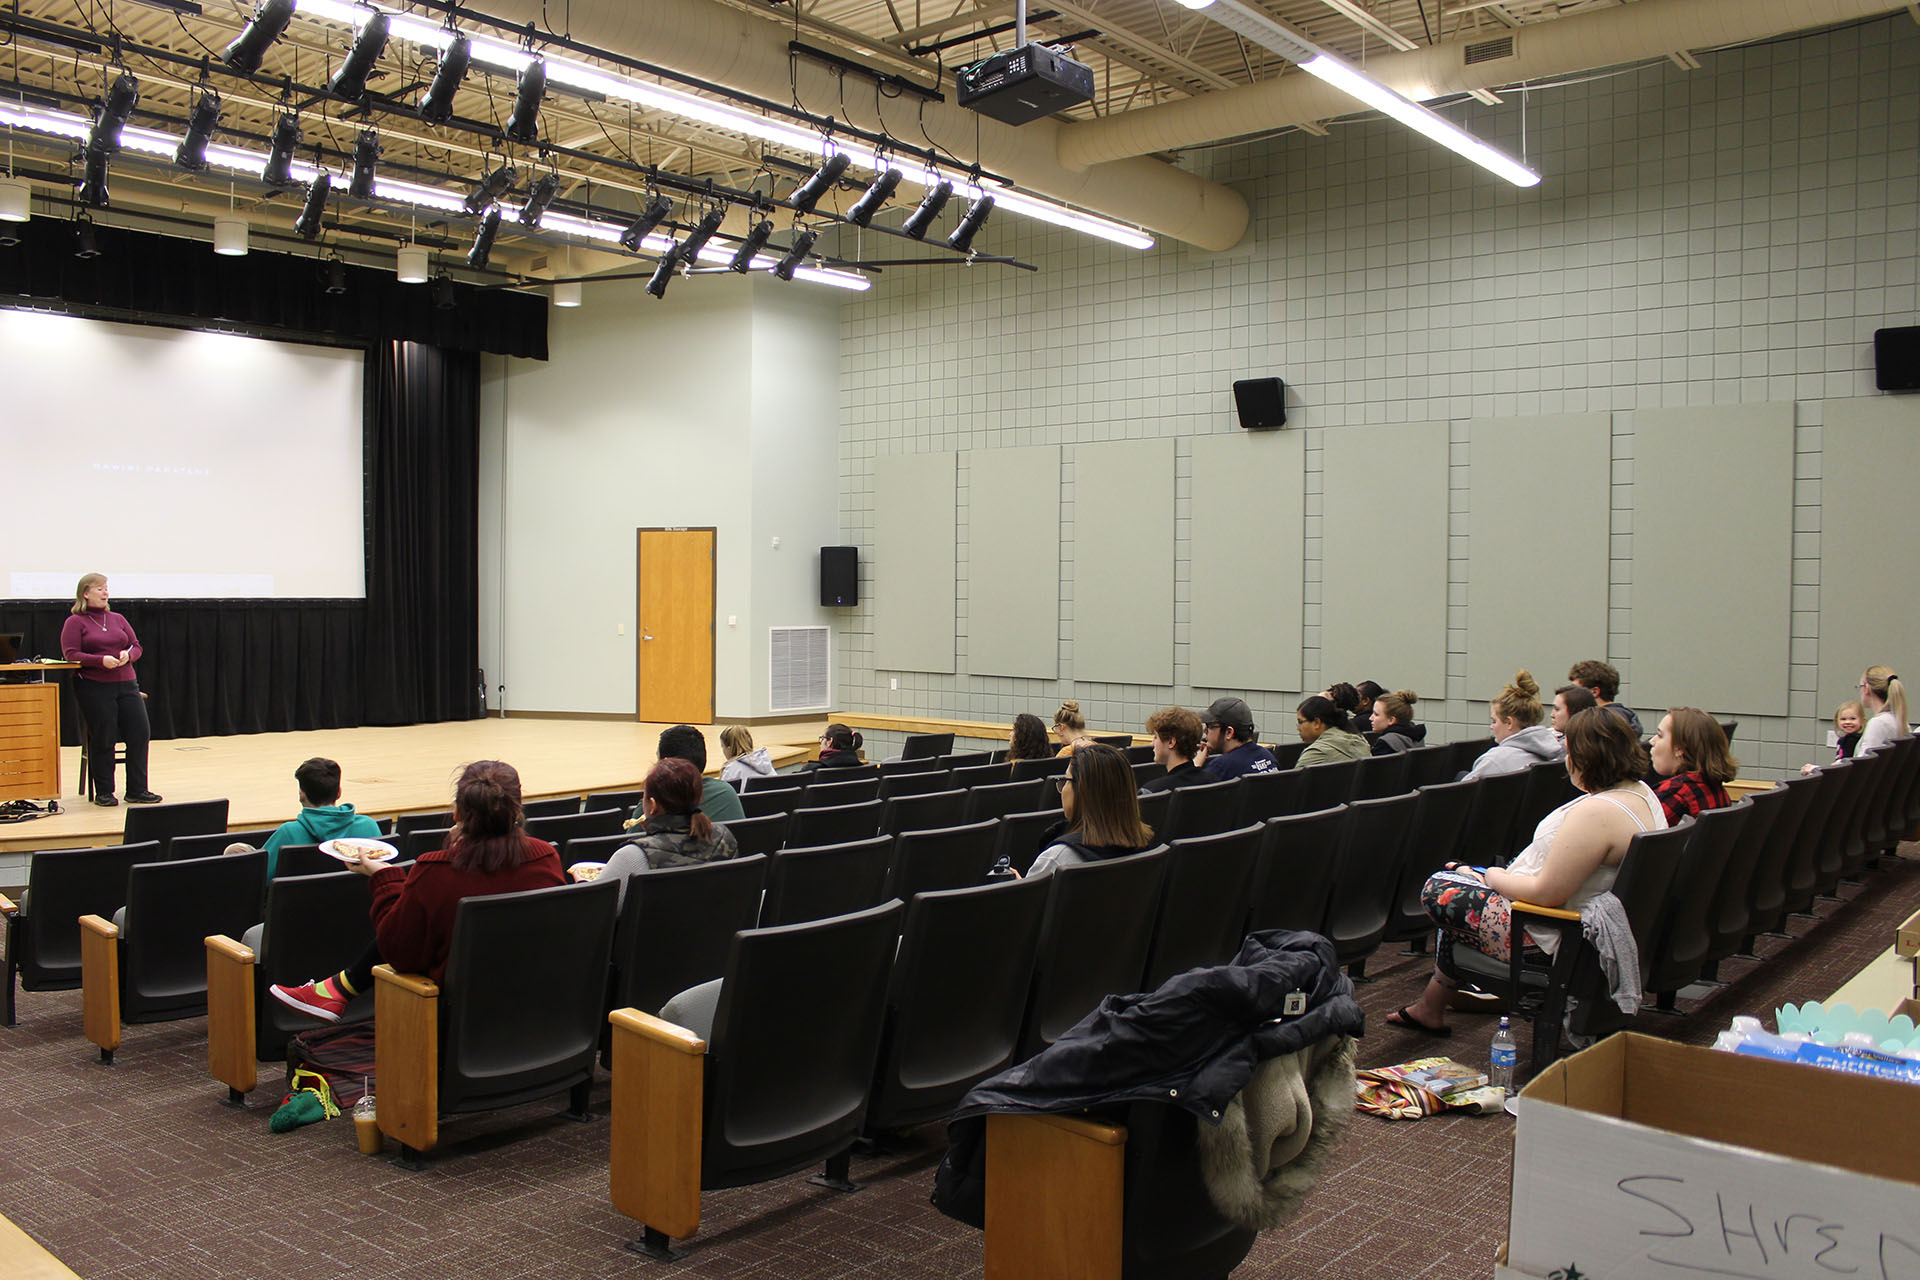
(407, 653)
(185, 282)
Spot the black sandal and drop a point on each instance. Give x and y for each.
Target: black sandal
(1403, 1017)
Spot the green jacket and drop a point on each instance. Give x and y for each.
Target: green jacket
(1333, 746)
(328, 822)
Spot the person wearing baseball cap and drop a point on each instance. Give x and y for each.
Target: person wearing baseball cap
(1232, 748)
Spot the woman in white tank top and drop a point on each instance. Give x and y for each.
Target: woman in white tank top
(1574, 855)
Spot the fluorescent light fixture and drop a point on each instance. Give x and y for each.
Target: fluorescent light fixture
(410, 265)
(1349, 79)
(314, 210)
(230, 236)
(566, 293)
(16, 200)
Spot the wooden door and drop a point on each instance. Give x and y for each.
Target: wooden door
(675, 680)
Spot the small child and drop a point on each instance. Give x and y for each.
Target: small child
(1848, 721)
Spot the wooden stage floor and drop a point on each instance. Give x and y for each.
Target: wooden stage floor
(385, 770)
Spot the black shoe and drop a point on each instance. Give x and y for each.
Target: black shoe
(142, 797)
(105, 800)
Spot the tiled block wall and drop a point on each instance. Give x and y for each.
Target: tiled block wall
(1726, 236)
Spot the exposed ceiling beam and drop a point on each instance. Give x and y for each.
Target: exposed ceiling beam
(1367, 22)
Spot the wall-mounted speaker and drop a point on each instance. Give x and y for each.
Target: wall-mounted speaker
(1262, 403)
(1896, 358)
(839, 576)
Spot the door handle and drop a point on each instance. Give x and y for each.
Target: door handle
(645, 636)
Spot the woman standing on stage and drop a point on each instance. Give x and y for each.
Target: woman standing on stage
(104, 645)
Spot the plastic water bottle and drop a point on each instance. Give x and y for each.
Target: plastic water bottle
(1504, 1053)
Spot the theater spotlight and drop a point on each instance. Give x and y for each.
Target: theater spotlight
(920, 221)
(876, 195)
(641, 227)
(93, 185)
(539, 198)
(350, 81)
(483, 240)
(201, 122)
(268, 23)
(702, 232)
(307, 225)
(663, 274)
(286, 139)
(523, 124)
(366, 154)
(808, 193)
(970, 224)
(493, 185)
(85, 243)
(444, 297)
(757, 237)
(121, 99)
(437, 106)
(336, 276)
(802, 246)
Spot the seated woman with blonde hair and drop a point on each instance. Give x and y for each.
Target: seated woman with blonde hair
(1575, 854)
(1520, 740)
(1689, 752)
(744, 760)
(1393, 724)
(1068, 724)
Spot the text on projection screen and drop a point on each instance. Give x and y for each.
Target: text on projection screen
(179, 463)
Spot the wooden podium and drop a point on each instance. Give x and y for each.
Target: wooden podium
(30, 733)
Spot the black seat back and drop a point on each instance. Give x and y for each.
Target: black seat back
(212, 842)
(1867, 832)
(922, 813)
(1686, 932)
(1040, 767)
(1843, 832)
(1200, 920)
(1094, 942)
(1767, 892)
(1272, 795)
(677, 926)
(1154, 808)
(760, 835)
(844, 773)
(1172, 1231)
(407, 823)
(773, 782)
(1429, 766)
(1490, 838)
(1547, 789)
(998, 799)
(958, 990)
(43, 942)
(1433, 840)
(418, 841)
(902, 768)
(918, 782)
(624, 801)
(817, 881)
(979, 775)
(162, 822)
(172, 908)
(759, 803)
(1330, 784)
(796, 1034)
(943, 858)
(967, 759)
(1803, 862)
(550, 807)
(1145, 771)
(1366, 884)
(1203, 810)
(314, 925)
(557, 829)
(822, 793)
(833, 824)
(1139, 753)
(925, 746)
(595, 848)
(1467, 751)
(1732, 912)
(523, 999)
(307, 860)
(1023, 835)
(1287, 754)
(1293, 877)
(1379, 776)
(1644, 885)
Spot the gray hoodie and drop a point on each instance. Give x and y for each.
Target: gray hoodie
(1533, 745)
(755, 764)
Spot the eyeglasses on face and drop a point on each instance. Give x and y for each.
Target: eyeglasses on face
(1060, 781)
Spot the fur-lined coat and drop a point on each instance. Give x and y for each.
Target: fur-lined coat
(1272, 1088)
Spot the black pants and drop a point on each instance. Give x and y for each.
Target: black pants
(114, 712)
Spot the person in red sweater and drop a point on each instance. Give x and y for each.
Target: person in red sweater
(104, 645)
(487, 853)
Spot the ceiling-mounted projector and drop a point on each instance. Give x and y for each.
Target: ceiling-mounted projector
(1025, 84)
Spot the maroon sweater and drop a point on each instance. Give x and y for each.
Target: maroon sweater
(88, 637)
(413, 906)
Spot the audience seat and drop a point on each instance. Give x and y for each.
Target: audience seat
(925, 746)
(557, 829)
(551, 807)
(1099, 924)
(919, 782)
(43, 931)
(1685, 931)
(1768, 892)
(1272, 795)
(677, 926)
(760, 835)
(1023, 835)
(1366, 883)
(209, 843)
(983, 774)
(1293, 875)
(307, 860)
(163, 822)
(1433, 841)
(1430, 766)
(1043, 767)
(1203, 810)
(834, 824)
(1330, 784)
(818, 881)
(821, 795)
(1490, 838)
(411, 822)
(942, 858)
(1200, 921)
(1803, 863)
(597, 848)
(998, 799)
(1287, 754)
(1378, 777)
(762, 802)
(922, 812)
(624, 801)
(1145, 771)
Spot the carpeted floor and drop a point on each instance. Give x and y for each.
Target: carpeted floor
(138, 1170)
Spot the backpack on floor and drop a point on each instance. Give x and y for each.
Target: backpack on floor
(342, 1054)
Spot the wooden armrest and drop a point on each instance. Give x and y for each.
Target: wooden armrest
(8, 907)
(659, 1101)
(1545, 913)
(100, 983)
(232, 1012)
(406, 1056)
(1054, 1197)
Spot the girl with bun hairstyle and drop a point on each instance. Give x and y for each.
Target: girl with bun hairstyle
(1520, 739)
(839, 749)
(1068, 725)
(486, 853)
(1393, 724)
(1329, 735)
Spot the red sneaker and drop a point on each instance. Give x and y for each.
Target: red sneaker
(312, 999)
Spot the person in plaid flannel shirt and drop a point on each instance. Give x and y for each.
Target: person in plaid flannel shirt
(1689, 752)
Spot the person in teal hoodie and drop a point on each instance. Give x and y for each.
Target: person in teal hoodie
(322, 816)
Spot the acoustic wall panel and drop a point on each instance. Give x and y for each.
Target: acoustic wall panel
(1383, 558)
(1869, 612)
(1712, 589)
(1248, 550)
(1538, 504)
(1013, 562)
(913, 561)
(1123, 538)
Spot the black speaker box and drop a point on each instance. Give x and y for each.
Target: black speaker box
(1262, 403)
(839, 576)
(1896, 359)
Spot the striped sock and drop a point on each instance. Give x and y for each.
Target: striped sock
(337, 986)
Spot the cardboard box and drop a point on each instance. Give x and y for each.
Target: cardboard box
(1642, 1158)
(1906, 939)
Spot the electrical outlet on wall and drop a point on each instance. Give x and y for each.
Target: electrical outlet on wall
(619, 628)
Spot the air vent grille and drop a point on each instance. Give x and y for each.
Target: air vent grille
(801, 676)
(1490, 50)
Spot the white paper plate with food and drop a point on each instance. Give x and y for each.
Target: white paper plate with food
(359, 850)
(586, 870)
